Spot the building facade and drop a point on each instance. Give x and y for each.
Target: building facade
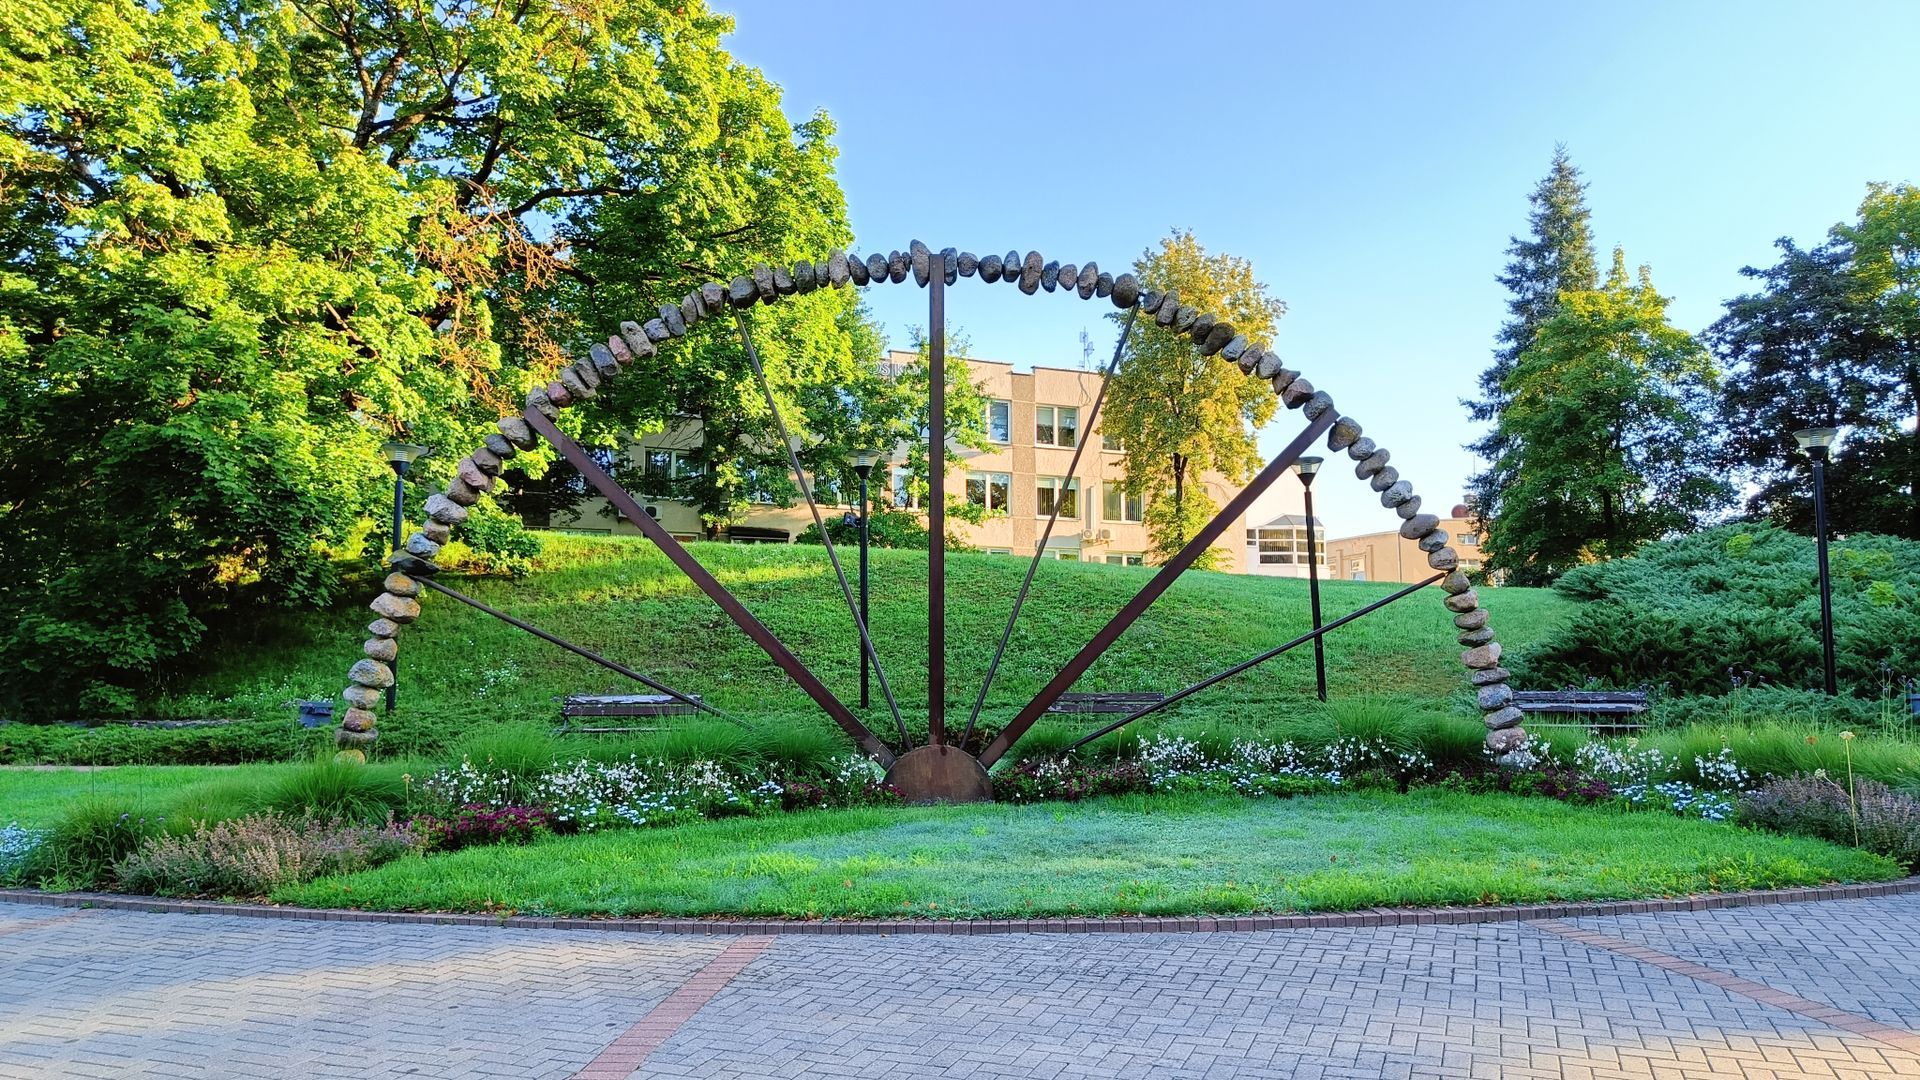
(1035, 421)
(1387, 556)
(1279, 547)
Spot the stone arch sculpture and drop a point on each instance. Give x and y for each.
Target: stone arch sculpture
(940, 768)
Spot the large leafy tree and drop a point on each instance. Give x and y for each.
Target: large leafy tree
(1179, 414)
(245, 240)
(1556, 256)
(1606, 443)
(1831, 339)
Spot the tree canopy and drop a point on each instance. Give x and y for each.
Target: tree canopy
(1179, 414)
(245, 241)
(1607, 445)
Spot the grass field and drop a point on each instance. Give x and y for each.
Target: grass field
(1158, 855)
(621, 597)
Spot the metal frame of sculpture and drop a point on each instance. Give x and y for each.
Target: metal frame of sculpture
(940, 769)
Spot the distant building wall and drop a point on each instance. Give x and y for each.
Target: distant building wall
(1386, 556)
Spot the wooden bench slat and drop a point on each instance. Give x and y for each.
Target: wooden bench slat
(1083, 703)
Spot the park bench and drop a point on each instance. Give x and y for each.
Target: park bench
(618, 706)
(1608, 710)
(1121, 704)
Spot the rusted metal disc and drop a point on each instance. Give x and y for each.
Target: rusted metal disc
(940, 774)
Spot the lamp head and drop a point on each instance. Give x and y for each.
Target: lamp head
(1307, 467)
(1816, 441)
(402, 455)
(864, 460)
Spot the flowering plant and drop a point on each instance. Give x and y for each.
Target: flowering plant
(477, 824)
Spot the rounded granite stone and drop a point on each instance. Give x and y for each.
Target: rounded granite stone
(1419, 525)
(1506, 740)
(1489, 676)
(1433, 541)
(1504, 716)
(371, 673)
(1456, 583)
(365, 697)
(1462, 602)
(401, 585)
(445, 510)
(1493, 696)
(400, 609)
(990, 269)
(357, 720)
(1471, 620)
(1372, 464)
(1384, 479)
(1481, 657)
(422, 546)
(1396, 493)
(1362, 449)
(1344, 433)
(383, 649)
(518, 431)
(1444, 559)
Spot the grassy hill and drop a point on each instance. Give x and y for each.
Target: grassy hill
(621, 597)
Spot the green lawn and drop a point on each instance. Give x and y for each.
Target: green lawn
(1154, 855)
(620, 596)
(38, 796)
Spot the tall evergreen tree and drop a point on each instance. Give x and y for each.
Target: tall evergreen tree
(1604, 434)
(1554, 258)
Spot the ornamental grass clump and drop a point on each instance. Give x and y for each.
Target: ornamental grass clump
(253, 855)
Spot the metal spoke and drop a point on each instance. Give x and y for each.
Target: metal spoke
(1068, 675)
(1312, 635)
(1040, 549)
(610, 665)
(800, 477)
(707, 583)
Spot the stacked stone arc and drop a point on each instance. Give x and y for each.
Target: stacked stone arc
(475, 475)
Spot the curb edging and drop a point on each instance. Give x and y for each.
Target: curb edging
(1369, 917)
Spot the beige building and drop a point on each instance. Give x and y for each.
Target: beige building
(1035, 420)
(1387, 556)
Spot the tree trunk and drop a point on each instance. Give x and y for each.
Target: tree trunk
(1180, 499)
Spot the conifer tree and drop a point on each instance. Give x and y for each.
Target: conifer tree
(1554, 258)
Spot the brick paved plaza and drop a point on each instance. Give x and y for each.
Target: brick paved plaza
(1823, 989)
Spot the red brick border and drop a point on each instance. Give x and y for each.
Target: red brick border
(1899, 1038)
(634, 1045)
(1127, 924)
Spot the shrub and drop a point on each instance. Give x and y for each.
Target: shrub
(1888, 823)
(254, 855)
(1680, 611)
(1065, 780)
(1750, 704)
(493, 542)
(82, 848)
(238, 743)
(475, 825)
(337, 789)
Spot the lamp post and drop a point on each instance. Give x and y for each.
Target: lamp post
(401, 456)
(1817, 443)
(863, 463)
(1307, 467)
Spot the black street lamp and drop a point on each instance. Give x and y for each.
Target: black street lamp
(1818, 443)
(863, 463)
(1307, 467)
(401, 456)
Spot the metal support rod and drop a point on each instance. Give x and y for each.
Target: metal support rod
(1040, 549)
(707, 583)
(1137, 606)
(866, 536)
(819, 523)
(611, 665)
(1313, 593)
(1826, 580)
(1315, 635)
(399, 526)
(937, 510)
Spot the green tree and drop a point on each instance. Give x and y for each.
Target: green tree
(906, 406)
(1179, 414)
(1606, 445)
(247, 240)
(1555, 257)
(1831, 339)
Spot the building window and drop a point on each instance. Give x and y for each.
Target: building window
(1110, 442)
(686, 466)
(1117, 505)
(1053, 490)
(904, 496)
(1467, 539)
(1000, 421)
(1357, 569)
(1125, 558)
(991, 490)
(1064, 554)
(1287, 546)
(999, 551)
(660, 463)
(1056, 425)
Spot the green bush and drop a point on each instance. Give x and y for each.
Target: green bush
(89, 840)
(1872, 816)
(1769, 705)
(1688, 614)
(239, 743)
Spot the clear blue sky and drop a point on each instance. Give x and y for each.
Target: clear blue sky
(1371, 160)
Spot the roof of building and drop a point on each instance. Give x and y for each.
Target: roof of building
(1289, 521)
